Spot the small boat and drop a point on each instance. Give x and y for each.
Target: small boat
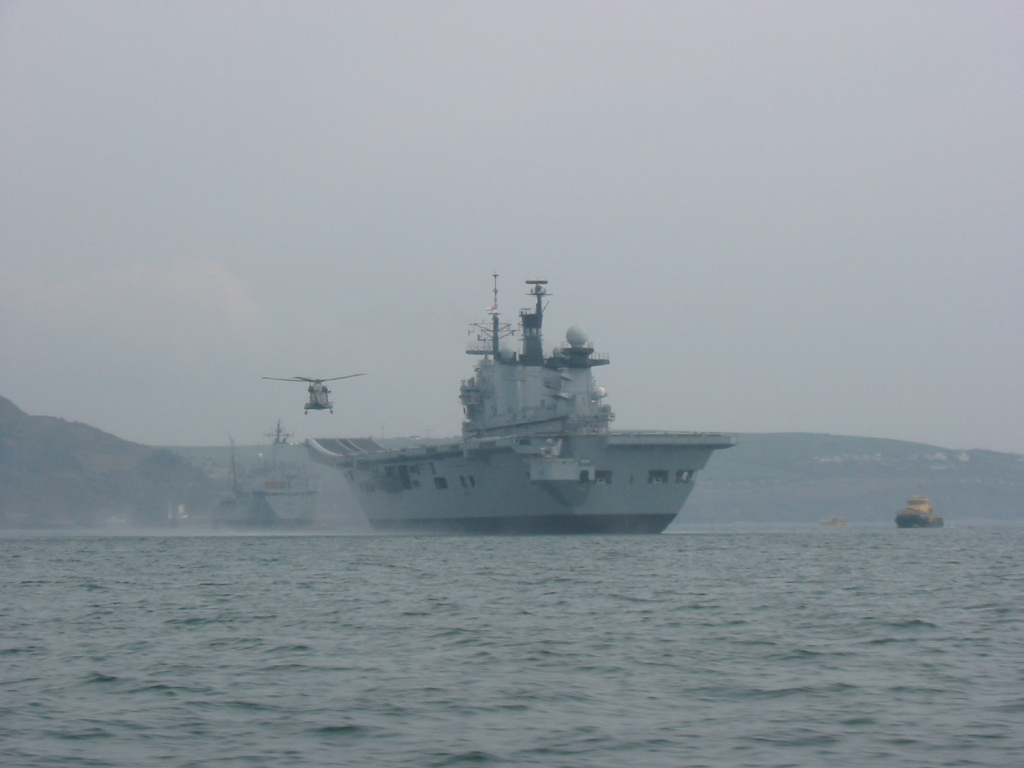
(919, 513)
(833, 521)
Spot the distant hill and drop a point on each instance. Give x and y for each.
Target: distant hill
(60, 474)
(55, 473)
(806, 477)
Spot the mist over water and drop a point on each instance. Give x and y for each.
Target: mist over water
(800, 646)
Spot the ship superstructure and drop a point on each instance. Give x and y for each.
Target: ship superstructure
(521, 393)
(536, 455)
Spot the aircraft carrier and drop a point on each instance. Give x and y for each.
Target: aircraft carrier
(536, 456)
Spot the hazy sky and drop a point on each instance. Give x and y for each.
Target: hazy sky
(773, 216)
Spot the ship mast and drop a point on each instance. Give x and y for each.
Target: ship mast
(494, 319)
(533, 350)
(489, 336)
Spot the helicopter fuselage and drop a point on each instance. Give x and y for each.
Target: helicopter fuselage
(319, 399)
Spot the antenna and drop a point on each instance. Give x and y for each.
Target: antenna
(490, 332)
(494, 321)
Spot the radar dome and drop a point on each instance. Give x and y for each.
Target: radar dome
(506, 353)
(576, 336)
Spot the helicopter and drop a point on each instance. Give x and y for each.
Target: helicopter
(319, 394)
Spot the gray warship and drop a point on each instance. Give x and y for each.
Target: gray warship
(272, 493)
(536, 456)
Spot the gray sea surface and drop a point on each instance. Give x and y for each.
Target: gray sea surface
(727, 646)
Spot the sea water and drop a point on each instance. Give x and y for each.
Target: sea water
(801, 646)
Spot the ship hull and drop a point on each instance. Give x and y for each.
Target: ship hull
(284, 510)
(275, 511)
(610, 483)
(528, 525)
(918, 521)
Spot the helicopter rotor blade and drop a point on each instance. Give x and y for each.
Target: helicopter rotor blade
(336, 378)
(311, 380)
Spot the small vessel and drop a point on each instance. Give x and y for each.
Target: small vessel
(536, 454)
(271, 493)
(833, 521)
(919, 513)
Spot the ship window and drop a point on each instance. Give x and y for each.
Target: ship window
(440, 483)
(603, 477)
(462, 479)
(684, 476)
(657, 476)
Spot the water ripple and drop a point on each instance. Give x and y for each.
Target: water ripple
(715, 649)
